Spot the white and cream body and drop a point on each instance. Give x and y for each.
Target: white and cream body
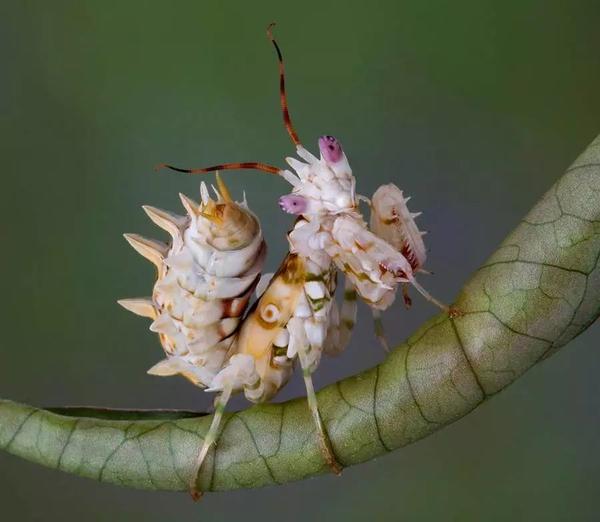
(206, 277)
(291, 320)
(375, 261)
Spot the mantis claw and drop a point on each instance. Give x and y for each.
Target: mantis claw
(454, 312)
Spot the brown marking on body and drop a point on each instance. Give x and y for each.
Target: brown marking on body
(292, 270)
(359, 246)
(227, 307)
(263, 312)
(360, 276)
(220, 331)
(396, 273)
(257, 335)
(407, 252)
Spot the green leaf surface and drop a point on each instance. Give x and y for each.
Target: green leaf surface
(538, 291)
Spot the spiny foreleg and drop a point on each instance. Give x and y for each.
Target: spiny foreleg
(394, 223)
(374, 265)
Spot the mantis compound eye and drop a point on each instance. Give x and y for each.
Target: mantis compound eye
(330, 148)
(293, 204)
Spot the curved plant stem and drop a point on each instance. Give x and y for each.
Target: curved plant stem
(538, 291)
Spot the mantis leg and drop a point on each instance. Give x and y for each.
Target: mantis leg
(379, 331)
(210, 438)
(342, 326)
(451, 311)
(313, 406)
(348, 313)
(406, 297)
(298, 344)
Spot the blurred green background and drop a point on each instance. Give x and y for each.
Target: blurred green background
(475, 108)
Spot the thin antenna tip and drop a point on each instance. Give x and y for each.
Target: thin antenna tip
(270, 30)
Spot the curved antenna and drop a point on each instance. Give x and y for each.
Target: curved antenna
(253, 165)
(287, 121)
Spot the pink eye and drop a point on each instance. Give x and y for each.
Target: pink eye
(331, 149)
(293, 204)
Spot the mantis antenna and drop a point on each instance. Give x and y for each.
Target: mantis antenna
(287, 121)
(249, 165)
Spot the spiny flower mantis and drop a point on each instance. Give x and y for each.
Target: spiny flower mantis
(296, 317)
